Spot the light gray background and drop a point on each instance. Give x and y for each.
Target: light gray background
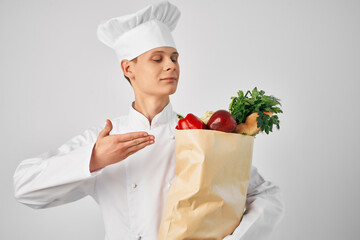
(57, 80)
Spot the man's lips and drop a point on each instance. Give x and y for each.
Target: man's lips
(169, 78)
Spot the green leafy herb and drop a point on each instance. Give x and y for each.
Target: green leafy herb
(256, 101)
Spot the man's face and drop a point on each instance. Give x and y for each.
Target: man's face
(156, 72)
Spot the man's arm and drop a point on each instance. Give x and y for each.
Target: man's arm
(68, 173)
(57, 177)
(264, 210)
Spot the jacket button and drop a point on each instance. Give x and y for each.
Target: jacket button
(134, 185)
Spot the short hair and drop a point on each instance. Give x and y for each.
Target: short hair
(135, 61)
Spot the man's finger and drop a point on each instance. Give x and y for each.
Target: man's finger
(130, 136)
(107, 129)
(137, 141)
(133, 149)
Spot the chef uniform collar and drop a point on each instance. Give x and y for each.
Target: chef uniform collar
(139, 122)
(134, 34)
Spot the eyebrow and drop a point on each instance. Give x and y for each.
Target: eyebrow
(164, 52)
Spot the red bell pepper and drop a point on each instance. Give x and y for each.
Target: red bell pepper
(190, 122)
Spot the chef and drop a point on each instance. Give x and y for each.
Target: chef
(128, 164)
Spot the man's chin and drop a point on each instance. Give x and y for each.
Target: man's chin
(170, 90)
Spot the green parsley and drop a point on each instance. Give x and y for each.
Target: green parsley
(244, 105)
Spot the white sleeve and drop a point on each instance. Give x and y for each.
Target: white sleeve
(59, 176)
(264, 210)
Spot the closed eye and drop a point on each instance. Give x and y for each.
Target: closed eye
(159, 60)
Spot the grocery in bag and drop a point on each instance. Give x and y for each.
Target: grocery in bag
(213, 158)
(207, 198)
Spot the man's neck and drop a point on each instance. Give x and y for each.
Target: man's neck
(150, 106)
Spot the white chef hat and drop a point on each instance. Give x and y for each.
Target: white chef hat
(133, 34)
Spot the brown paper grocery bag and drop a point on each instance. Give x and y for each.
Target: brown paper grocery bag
(207, 198)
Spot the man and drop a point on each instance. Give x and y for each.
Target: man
(129, 172)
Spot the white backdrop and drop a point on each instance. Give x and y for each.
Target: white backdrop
(57, 79)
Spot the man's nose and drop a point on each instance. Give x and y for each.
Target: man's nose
(169, 65)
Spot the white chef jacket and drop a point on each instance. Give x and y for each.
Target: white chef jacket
(131, 194)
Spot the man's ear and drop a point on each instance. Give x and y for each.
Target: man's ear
(127, 68)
